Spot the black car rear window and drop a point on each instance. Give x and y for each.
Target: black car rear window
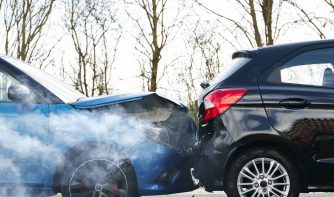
(236, 64)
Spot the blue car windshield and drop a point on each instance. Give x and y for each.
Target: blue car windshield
(64, 92)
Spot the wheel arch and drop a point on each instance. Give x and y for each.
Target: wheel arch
(292, 151)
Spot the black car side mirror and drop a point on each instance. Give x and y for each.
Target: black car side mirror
(19, 93)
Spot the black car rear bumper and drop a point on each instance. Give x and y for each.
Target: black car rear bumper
(211, 155)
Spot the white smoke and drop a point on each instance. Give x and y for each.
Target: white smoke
(38, 138)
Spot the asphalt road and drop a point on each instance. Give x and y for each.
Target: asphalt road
(201, 193)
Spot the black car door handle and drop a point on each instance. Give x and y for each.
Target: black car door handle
(295, 103)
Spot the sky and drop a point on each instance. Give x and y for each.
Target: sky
(126, 70)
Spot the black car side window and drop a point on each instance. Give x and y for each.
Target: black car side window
(313, 68)
(5, 81)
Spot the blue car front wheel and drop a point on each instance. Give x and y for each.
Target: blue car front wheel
(99, 176)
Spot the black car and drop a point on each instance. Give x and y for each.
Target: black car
(267, 123)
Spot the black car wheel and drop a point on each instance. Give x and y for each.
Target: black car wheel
(99, 176)
(262, 172)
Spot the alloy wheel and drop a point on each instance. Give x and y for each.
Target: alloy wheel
(263, 177)
(98, 178)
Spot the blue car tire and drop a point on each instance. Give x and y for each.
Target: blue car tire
(95, 173)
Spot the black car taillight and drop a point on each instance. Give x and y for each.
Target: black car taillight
(218, 101)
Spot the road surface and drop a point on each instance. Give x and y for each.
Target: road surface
(201, 193)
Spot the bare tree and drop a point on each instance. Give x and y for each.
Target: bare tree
(202, 62)
(154, 34)
(208, 51)
(92, 25)
(260, 23)
(24, 23)
(330, 3)
(1, 1)
(188, 79)
(309, 18)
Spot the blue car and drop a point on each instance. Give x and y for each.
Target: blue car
(56, 140)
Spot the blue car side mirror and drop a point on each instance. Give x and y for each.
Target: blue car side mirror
(19, 93)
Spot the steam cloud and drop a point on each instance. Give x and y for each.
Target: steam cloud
(38, 138)
(41, 139)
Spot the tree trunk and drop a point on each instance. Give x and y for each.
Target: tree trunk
(255, 25)
(155, 50)
(267, 9)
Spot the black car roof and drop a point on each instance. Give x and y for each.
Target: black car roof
(286, 47)
(296, 45)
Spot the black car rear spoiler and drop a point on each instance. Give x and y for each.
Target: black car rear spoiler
(245, 54)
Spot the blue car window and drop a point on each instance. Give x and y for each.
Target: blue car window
(64, 92)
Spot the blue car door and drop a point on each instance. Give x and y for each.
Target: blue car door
(23, 137)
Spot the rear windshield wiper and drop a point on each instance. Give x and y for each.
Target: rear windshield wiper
(204, 85)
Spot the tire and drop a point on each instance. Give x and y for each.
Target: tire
(245, 177)
(95, 173)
